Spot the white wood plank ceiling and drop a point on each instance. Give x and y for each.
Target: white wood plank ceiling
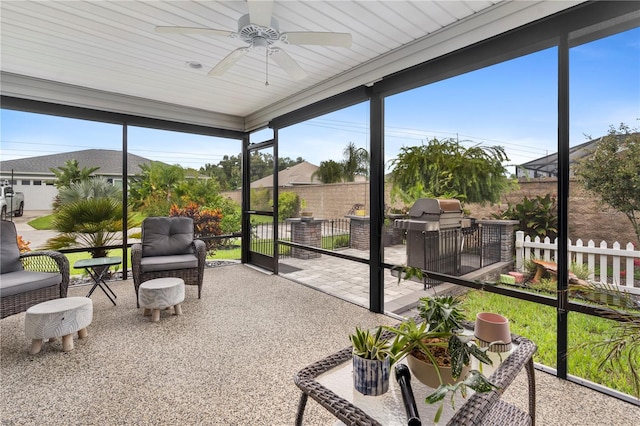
(106, 54)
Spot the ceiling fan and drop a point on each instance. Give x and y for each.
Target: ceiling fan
(261, 32)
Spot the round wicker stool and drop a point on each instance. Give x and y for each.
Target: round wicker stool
(161, 293)
(58, 318)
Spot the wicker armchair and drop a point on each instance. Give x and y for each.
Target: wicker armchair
(168, 249)
(29, 278)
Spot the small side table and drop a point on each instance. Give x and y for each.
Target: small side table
(58, 318)
(97, 268)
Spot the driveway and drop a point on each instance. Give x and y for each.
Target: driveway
(36, 238)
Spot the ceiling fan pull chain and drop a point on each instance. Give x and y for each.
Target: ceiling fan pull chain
(266, 83)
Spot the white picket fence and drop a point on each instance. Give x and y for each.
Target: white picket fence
(621, 260)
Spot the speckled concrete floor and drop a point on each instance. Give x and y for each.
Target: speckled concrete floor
(229, 360)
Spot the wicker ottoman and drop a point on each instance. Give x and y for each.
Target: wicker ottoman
(161, 293)
(58, 318)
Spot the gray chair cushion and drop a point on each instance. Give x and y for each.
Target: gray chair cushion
(168, 263)
(9, 251)
(166, 236)
(13, 283)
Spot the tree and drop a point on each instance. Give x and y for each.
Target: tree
(71, 173)
(286, 162)
(232, 170)
(228, 171)
(356, 162)
(152, 190)
(329, 172)
(613, 172)
(446, 168)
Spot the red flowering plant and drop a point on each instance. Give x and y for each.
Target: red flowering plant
(23, 245)
(206, 222)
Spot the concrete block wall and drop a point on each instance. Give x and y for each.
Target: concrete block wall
(588, 219)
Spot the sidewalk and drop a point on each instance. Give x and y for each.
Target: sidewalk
(36, 238)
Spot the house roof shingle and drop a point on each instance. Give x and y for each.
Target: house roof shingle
(109, 161)
(299, 174)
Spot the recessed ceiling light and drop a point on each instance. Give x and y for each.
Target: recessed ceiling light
(194, 65)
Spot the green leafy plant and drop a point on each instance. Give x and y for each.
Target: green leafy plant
(620, 348)
(442, 313)
(439, 341)
(408, 273)
(370, 346)
(288, 205)
(91, 222)
(613, 172)
(474, 174)
(537, 216)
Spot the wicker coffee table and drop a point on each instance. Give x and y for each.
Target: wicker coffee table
(330, 383)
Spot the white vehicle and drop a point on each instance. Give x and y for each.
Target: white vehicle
(11, 202)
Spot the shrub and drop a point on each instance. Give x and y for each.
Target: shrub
(288, 205)
(23, 245)
(260, 199)
(206, 222)
(537, 216)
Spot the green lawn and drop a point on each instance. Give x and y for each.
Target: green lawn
(538, 323)
(44, 222)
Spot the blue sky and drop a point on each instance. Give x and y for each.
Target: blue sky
(512, 104)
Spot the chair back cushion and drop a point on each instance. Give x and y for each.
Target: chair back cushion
(167, 236)
(9, 251)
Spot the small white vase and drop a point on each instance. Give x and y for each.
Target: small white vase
(371, 376)
(490, 328)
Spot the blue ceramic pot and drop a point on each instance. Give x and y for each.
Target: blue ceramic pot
(371, 376)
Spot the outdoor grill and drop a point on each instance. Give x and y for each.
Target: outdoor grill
(434, 238)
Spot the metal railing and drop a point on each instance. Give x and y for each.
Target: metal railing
(334, 232)
(460, 251)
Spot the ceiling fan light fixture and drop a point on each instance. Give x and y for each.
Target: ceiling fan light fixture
(261, 32)
(260, 43)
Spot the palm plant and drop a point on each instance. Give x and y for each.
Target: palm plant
(97, 187)
(356, 161)
(621, 348)
(90, 223)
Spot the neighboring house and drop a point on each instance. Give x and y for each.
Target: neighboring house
(547, 166)
(300, 174)
(33, 176)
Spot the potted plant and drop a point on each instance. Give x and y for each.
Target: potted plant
(372, 359)
(304, 214)
(437, 352)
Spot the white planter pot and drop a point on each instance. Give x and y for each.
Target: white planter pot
(371, 376)
(426, 372)
(490, 327)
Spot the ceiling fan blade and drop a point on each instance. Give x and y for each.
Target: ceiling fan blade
(193, 30)
(323, 39)
(287, 63)
(228, 61)
(260, 12)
